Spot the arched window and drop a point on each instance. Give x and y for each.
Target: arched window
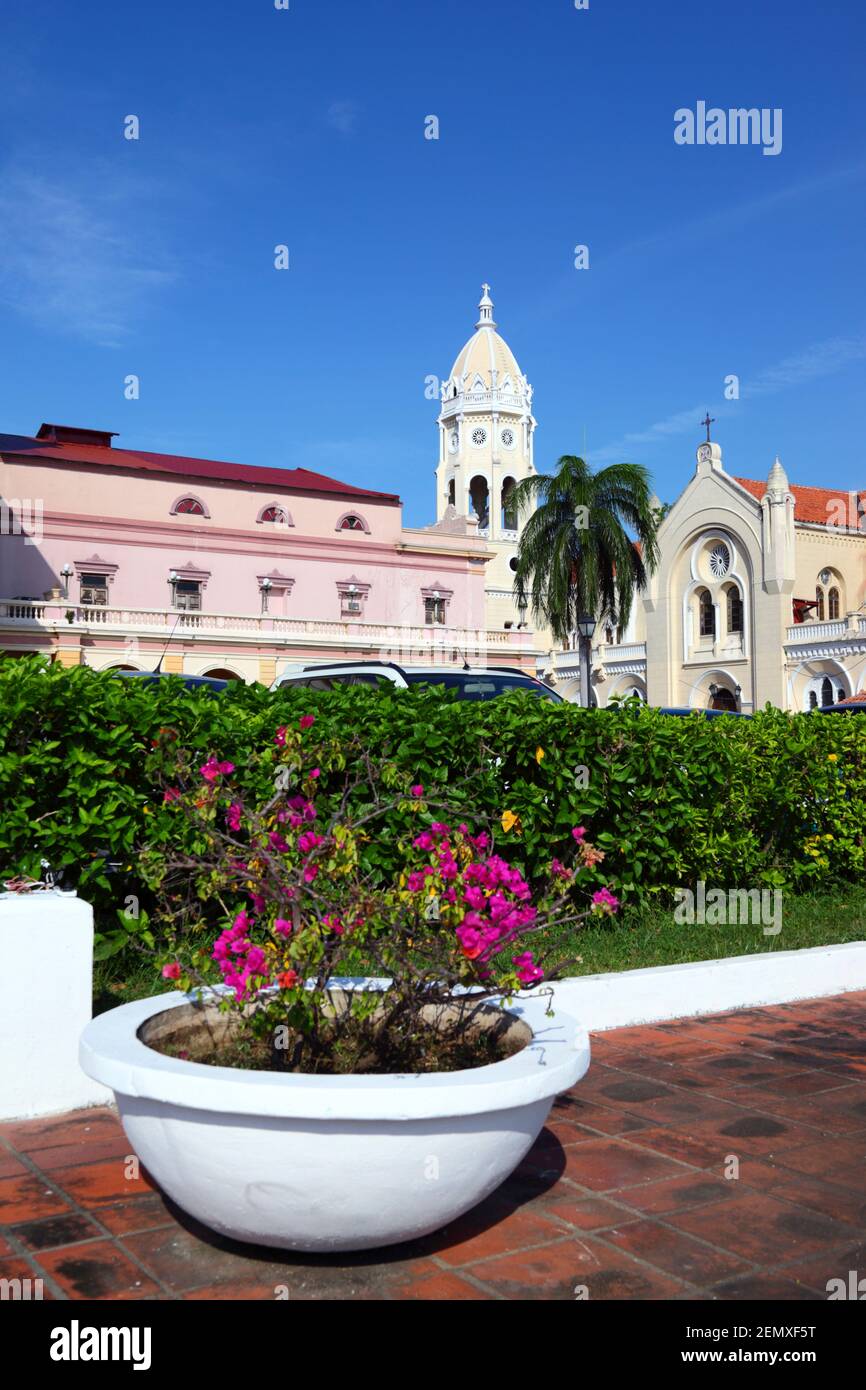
(352, 521)
(819, 604)
(813, 700)
(451, 494)
(480, 496)
(833, 603)
(826, 691)
(275, 514)
(189, 506)
(509, 510)
(735, 610)
(707, 614)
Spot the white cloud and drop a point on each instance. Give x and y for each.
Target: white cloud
(74, 260)
(818, 360)
(343, 116)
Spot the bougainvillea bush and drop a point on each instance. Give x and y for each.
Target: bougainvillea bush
(270, 900)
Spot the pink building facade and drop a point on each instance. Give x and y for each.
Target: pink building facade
(110, 556)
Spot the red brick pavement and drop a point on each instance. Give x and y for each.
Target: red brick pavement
(628, 1193)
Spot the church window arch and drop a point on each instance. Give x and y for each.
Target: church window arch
(509, 509)
(734, 606)
(706, 614)
(479, 494)
(833, 603)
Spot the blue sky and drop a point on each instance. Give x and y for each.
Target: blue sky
(306, 127)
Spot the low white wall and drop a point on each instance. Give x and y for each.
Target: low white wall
(46, 989)
(706, 987)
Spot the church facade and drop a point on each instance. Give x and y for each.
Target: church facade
(759, 596)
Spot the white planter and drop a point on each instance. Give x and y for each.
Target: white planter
(46, 989)
(309, 1162)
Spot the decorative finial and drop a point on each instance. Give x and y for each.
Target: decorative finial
(708, 421)
(485, 305)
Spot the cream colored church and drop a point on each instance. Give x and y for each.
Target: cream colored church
(760, 592)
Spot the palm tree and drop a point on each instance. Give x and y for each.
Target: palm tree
(578, 553)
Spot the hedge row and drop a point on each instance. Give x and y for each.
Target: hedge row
(777, 799)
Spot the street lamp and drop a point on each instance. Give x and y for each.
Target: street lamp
(66, 575)
(266, 587)
(585, 631)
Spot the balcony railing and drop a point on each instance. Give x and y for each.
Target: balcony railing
(836, 630)
(268, 627)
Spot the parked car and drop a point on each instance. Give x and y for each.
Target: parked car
(843, 707)
(211, 683)
(471, 683)
(706, 713)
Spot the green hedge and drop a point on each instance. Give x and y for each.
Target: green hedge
(777, 800)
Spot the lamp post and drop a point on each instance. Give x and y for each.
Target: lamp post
(266, 587)
(585, 631)
(66, 575)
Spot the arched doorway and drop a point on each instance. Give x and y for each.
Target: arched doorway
(723, 699)
(222, 673)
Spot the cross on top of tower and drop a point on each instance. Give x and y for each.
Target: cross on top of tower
(708, 421)
(485, 306)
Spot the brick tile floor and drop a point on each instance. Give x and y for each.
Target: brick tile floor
(714, 1158)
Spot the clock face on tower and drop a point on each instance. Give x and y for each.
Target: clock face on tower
(705, 453)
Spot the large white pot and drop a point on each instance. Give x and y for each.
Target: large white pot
(330, 1162)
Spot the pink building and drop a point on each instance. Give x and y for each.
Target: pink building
(108, 554)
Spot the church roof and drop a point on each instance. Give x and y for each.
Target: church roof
(486, 349)
(70, 444)
(818, 506)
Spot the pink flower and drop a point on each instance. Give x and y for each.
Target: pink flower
(605, 900)
(306, 721)
(282, 926)
(423, 841)
(276, 841)
(333, 924)
(578, 833)
(471, 943)
(280, 736)
(309, 841)
(316, 772)
(417, 790)
(233, 816)
(527, 971)
(311, 872)
(171, 971)
(213, 769)
(558, 869)
(172, 794)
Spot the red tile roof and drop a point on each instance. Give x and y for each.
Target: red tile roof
(818, 505)
(858, 699)
(73, 446)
